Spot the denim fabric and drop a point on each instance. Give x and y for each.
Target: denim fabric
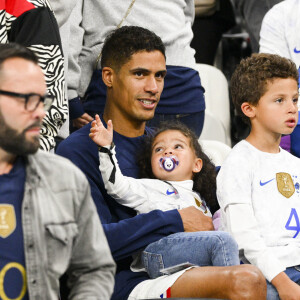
(293, 273)
(203, 248)
(194, 121)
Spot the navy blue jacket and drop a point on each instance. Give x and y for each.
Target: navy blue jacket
(125, 231)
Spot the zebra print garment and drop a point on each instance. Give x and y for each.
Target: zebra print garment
(32, 24)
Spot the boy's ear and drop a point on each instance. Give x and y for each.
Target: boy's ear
(198, 165)
(108, 76)
(248, 109)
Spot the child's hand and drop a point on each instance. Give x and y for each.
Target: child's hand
(286, 288)
(290, 292)
(99, 134)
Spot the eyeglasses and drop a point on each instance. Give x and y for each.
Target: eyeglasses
(32, 100)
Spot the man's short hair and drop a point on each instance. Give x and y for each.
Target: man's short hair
(123, 42)
(14, 50)
(250, 78)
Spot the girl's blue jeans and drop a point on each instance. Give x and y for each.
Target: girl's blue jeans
(202, 248)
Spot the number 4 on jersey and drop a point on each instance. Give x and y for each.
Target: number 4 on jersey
(293, 218)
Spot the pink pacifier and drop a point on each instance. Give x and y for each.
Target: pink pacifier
(168, 163)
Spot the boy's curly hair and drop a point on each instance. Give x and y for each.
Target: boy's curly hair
(204, 181)
(250, 78)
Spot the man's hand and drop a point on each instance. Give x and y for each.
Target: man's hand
(82, 120)
(99, 134)
(194, 220)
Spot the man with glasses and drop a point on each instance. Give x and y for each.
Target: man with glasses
(32, 100)
(48, 222)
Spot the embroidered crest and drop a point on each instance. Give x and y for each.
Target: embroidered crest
(285, 184)
(201, 204)
(7, 220)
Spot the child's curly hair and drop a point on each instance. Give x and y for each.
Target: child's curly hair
(204, 181)
(250, 78)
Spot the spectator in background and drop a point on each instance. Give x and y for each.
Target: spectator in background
(280, 31)
(208, 30)
(133, 68)
(49, 223)
(32, 24)
(253, 12)
(280, 35)
(182, 98)
(62, 11)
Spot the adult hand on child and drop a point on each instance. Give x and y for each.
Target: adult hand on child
(99, 134)
(194, 220)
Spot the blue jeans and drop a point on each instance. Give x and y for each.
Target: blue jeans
(194, 121)
(202, 248)
(293, 273)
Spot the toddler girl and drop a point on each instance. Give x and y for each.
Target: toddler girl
(179, 175)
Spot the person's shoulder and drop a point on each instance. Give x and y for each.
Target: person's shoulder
(281, 9)
(54, 161)
(286, 5)
(55, 166)
(76, 138)
(290, 157)
(241, 150)
(242, 154)
(77, 143)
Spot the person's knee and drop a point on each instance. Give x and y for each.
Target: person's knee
(227, 239)
(248, 283)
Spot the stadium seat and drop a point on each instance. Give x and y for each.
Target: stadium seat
(213, 129)
(215, 150)
(216, 98)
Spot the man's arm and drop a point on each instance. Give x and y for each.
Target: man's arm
(82, 57)
(74, 70)
(62, 10)
(130, 235)
(92, 269)
(189, 12)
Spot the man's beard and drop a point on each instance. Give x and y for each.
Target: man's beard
(15, 143)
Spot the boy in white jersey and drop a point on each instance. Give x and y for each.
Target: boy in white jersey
(258, 184)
